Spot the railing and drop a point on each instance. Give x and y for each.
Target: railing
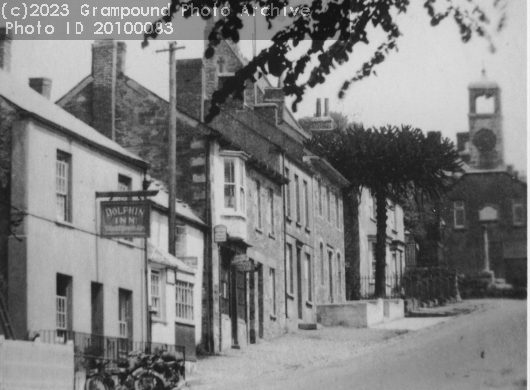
(393, 287)
(89, 346)
(407, 286)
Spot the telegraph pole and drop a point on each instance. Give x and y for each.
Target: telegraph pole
(172, 171)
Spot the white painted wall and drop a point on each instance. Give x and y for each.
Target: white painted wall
(73, 249)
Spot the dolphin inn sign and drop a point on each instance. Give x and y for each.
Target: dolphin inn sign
(125, 218)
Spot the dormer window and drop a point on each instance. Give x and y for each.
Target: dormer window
(221, 65)
(234, 181)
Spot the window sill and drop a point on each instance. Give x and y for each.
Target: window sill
(289, 295)
(183, 321)
(309, 303)
(273, 317)
(519, 225)
(67, 224)
(157, 320)
(298, 224)
(233, 215)
(288, 219)
(460, 228)
(307, 230)
(130, 244)
(272, 237)
(259, 230)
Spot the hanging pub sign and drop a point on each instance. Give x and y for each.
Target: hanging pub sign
(125, 218)
(242, 263)
(219, 233)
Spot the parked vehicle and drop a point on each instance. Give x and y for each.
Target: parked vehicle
(162, 370)
(98, 378)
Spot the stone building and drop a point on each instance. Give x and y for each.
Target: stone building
(357, 222)
(63, 278)
(95, 287)
(485, 210)
(248, 171)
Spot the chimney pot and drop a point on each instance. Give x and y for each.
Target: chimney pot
(122, 53)
(42, 85)
(326, 107)
(319, 108)
(5, 49)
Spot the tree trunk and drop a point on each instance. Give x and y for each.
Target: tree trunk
(380, 247)
(351, 244)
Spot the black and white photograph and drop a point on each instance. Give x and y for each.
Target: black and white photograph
(269, 195)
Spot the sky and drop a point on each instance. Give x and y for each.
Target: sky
(424, 84)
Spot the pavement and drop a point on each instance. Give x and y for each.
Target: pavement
(315, 348)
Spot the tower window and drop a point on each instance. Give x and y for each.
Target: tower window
(459, 214)
(485, 104)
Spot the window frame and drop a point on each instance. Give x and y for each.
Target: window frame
(181, 241)
(124, 183)
(271, 210)
(319, 195)
(63, 186)
(287, 195)
(298, 200)
(184, 296)
(238, 183)
(290, 268)
(309, 276)
(459, 208)
(259, 216)
(307, 204)
(272, 287)
(518, 203)
(157, 311)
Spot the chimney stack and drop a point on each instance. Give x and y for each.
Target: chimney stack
(42, 85)
(319, 109)
(122, 53)
(108, 62)
(5, 49)
(326, 107)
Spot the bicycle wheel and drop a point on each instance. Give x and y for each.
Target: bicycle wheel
(148, 381)
(95, 383)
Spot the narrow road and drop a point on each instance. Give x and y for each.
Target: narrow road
(482, 350)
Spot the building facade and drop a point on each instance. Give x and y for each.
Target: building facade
(485, 210)
(60, 276)
(58, 267)
(246, 171)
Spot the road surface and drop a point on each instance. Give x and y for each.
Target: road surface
(482, 350)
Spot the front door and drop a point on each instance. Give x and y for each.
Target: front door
(330, 255)
(299, 281)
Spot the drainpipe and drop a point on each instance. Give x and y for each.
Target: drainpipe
(282, 153)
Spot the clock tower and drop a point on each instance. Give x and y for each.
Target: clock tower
(485, 125)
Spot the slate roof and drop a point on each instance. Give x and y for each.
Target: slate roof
(38, 106)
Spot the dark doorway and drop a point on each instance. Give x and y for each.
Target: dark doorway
(252, 305)
(299, 281)
(330, 255)
(260, 300)
(97, 308)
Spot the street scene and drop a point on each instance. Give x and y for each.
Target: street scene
(263, 195)
(451, 347)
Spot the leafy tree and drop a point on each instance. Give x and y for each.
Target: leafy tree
(393, 163)
(345, 23)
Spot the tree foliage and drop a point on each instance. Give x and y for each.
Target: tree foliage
(391, 162)
(345, 23)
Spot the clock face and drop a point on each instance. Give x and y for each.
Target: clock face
(485, 140)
